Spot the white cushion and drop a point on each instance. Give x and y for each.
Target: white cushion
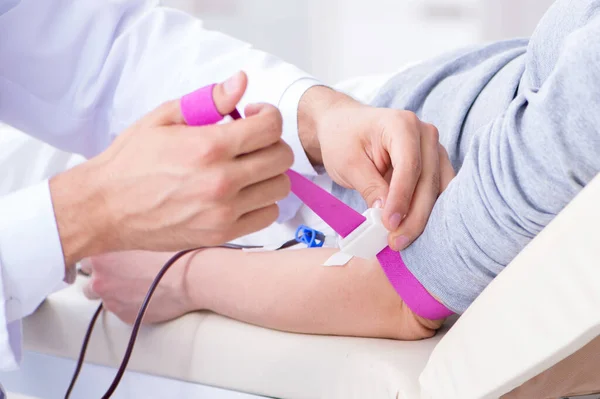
(542, 308)
(210, 349)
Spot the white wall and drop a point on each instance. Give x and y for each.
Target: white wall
(510, 18)
(364, 37)
(336, 39)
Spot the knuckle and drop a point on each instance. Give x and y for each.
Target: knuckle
(215, 148)
(202, 155)
(285, 155)
(280, 188)
(433, 133)
(225, 216)
(207, 149)
(442, 150)
(408, 118)
(274, 116)
(290, 155)
(444, 157)
(222, 185)
(273, 121)
(285, 186)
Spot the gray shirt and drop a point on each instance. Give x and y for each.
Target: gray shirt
(521, 122)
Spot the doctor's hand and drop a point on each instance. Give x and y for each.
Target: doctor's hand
(389, 156)
(166, 186)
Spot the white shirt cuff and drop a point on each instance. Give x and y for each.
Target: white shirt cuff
(288, 105)
(31, 258)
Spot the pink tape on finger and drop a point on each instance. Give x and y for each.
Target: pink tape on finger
(199, 108)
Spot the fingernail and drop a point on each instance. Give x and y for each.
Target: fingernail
(378, 203)
(401, 242)
(395, 220)
(233, 84)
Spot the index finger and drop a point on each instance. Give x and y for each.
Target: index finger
(405, 154)
(262, 127)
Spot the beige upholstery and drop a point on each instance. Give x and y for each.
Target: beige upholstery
(214, 350)
(540, 310)
(578, 374)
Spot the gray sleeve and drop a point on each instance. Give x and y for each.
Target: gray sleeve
(519, 172)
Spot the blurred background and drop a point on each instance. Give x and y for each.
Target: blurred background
(339, 39)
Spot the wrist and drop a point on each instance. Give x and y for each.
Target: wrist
(312, 109)
(199, 284)
(203, 285)
(78, 212)
(192, 285)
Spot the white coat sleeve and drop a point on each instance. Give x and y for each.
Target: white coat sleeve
(75, 74)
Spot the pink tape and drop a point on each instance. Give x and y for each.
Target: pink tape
(199, 109)
(344, 220)
(412, 292)
(339, 216)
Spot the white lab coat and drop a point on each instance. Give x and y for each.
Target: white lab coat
(75, 73)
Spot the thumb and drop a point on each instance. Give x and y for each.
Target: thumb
(196, 108)
(367, 180)
(228, 94)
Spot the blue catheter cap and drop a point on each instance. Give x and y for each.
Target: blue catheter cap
(311, 237)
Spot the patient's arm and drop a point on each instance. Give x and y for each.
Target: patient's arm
(291, 291)
(519, 172)
(285, 290)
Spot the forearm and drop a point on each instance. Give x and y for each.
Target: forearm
(291, 291)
